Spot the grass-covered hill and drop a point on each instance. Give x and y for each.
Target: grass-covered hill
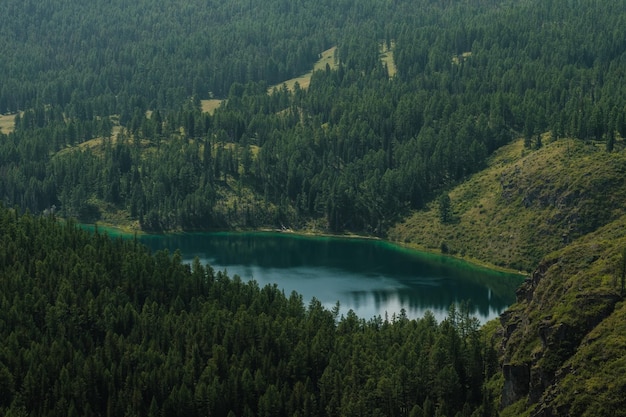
(525, 204)
(560, 212)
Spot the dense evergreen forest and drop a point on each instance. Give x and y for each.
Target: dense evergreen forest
(109, 119)
(92, 326)
(106, 99)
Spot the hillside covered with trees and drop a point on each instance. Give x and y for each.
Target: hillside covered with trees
(102, 119)
(92, 326)
(110, 123)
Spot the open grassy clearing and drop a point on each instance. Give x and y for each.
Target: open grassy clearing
(326, 57)
(458, 59)
(7, 123)
(386, 55)
(94, 144)
(209, 106)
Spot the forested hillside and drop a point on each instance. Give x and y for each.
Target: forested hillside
(91, 326)
(110, 126)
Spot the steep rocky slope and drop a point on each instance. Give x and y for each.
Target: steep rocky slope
(560, 341)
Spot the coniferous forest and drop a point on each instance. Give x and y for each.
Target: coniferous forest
(107, 122)
(109, 119)
(92, 326)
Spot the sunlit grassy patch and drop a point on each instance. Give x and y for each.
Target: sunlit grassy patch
(386, 55)
(209, 106)
(525, 204)
(326, 57)
(7, 123)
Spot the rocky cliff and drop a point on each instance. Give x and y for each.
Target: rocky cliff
(558, 309)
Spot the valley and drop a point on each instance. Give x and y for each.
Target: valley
(489, 131)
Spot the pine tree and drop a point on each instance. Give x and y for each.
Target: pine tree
(445, 215)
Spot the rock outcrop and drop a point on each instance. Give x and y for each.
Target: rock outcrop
(564, 299)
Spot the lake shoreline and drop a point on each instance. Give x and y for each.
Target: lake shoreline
(370, 276)
(307, 232)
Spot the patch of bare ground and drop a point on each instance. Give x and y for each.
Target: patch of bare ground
(326, 57)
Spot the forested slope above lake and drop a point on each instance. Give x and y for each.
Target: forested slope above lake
(110, 125)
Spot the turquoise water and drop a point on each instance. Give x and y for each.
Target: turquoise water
(368, 276)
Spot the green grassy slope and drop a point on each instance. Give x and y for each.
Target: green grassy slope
(525, 204)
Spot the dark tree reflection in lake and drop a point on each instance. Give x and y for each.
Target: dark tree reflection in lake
(368, 276)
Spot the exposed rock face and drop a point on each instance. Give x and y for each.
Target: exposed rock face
(516, 382)
(519, 378)
(555, 310)
(560, 343)
(525, 292)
